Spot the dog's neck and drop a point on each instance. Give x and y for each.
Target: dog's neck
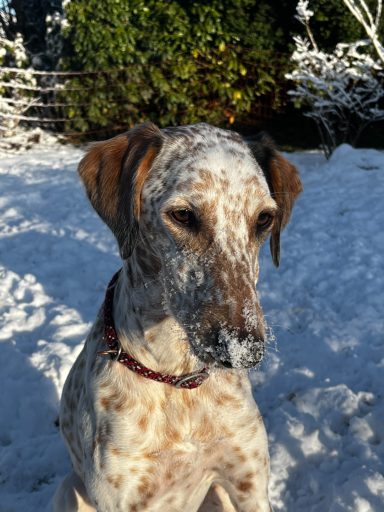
(146, 330)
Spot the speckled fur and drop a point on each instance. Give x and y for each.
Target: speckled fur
(186, 298)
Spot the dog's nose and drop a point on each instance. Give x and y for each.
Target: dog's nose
(255, 334)
(238, 348)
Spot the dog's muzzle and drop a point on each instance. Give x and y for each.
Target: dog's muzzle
(231, 348)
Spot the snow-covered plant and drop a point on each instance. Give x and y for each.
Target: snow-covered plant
(15, 98)
(369, 22)
(343, 90)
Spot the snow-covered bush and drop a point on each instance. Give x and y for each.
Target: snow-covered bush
(31, 46)
(343, 90)
(14, 98)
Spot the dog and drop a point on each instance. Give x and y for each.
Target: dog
(157, 411)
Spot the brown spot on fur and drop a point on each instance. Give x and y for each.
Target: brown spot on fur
(150, 337)
(152, 470)
(115, 481)
(149, 455)
(116, 400)
(119, 406)
(206, 209)
(225, 432)
(245, 486)
(174, 435)
(104, 402)
(223, 184)
(145, 486)
(206, 181)
(251, 180)
(143, 423)
(169, 437)
(240, 455)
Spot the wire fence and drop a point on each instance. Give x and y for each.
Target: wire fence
(47, 100)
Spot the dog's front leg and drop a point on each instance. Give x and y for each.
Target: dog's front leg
(249, 490)
(246, 468)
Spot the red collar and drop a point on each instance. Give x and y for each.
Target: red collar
(186, 381)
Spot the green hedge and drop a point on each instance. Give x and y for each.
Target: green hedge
(173, 62)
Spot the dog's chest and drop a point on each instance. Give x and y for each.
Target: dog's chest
(160, 455)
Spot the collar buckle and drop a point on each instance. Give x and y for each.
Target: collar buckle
(114, 354)
(192, 380)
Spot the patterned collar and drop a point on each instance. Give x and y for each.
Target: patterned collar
(186, 381)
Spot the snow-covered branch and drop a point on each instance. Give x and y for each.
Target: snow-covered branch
(361, 12)
(303, 14)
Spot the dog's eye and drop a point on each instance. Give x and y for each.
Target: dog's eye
(264, 221)
(184, 216)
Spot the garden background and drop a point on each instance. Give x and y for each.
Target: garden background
(90, 69)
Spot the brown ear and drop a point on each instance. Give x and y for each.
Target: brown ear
(114, 173)
(283, 182)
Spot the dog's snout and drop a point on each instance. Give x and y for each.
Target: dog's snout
(237, 348)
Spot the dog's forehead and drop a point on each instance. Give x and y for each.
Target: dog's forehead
(198, 156)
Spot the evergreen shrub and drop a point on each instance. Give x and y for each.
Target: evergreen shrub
(173, 62)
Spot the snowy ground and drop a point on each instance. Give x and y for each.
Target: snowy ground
(321, 387)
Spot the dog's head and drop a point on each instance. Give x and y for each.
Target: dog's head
(197, 202)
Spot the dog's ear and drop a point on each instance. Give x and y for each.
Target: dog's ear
(283, 182)
(114, 173)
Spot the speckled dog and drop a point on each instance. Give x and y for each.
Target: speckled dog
(190, 208)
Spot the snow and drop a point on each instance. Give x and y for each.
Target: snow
(320, 386)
